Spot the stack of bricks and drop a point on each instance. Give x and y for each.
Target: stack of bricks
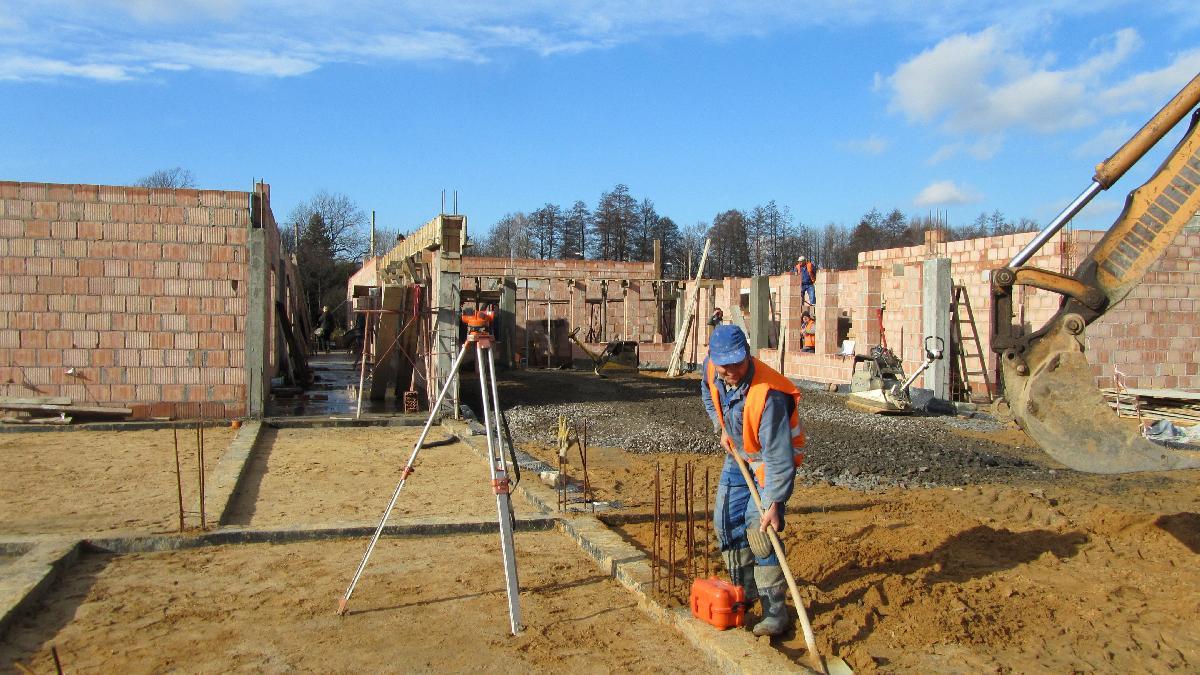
(125, 296)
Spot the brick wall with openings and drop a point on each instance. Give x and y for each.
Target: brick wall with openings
(125, 296)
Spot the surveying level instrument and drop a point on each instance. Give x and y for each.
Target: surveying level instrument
(477, 335)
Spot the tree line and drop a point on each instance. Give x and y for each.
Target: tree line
(763, 240)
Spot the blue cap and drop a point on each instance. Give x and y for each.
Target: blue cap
(727, 345)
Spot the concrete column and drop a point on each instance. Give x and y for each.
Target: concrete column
(936, 294)
(759, 321)
(508, 321)
(256, 321)
(447, 272)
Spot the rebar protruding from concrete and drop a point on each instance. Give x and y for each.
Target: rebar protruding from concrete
(687, 519)
(671, 533)
(200, 468)
(707, 527)
(654, 560)
(178, 476)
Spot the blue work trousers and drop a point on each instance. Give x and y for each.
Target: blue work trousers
(809, 294)
(735, 511)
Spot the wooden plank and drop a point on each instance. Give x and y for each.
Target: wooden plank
(674, 367)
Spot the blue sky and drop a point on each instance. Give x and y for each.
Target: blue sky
(829, 107)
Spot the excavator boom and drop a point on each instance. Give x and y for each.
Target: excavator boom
(1048, 383)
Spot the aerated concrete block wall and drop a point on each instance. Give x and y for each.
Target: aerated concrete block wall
(126, 296)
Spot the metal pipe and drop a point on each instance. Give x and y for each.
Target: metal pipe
(1055, 225)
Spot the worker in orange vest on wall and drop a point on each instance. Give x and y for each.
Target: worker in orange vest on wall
(808, 276)
(808, 333)
(755, 409)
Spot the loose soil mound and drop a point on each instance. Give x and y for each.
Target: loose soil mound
(1017, 568)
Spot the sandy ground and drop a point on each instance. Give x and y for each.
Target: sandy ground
(424, 605)
(1094, 574)
(348, 475)
(1012, 567)
(100, 481)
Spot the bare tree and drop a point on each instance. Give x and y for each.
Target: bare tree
(177, 177)
(342, 224)
(509, 238)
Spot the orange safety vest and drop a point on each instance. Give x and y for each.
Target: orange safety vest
(764, 380)
(808, 335)
(812, 270)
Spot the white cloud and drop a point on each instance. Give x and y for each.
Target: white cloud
(983, 83)
(246, 61)
(35, 68)
(1151, 89)
(946, 193)
(871, 145)
(953, 83)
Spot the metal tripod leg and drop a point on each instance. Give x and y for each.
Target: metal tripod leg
(500, 484)
(408, 469)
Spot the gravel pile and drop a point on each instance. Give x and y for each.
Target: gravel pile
(845, 447)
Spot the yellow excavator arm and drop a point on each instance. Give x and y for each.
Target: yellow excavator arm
(1047, 381)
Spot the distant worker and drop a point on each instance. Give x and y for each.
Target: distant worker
(808, 276)
(325, 327)
(808, 333)
(755, 409)
(717, 317)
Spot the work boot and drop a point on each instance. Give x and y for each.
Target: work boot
(740, 563)
(773, 593)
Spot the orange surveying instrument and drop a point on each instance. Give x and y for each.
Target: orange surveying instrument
(477, 322)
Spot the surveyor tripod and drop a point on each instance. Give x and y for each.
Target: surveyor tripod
(482, 340)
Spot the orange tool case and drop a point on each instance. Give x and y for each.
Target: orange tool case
(719, 603)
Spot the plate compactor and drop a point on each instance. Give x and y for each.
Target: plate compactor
(880, 387)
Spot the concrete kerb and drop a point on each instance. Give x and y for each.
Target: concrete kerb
(398, 527)
(32, 575)
(227, 475)
(733, 651)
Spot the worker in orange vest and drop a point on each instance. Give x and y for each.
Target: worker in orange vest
(808, 333)
(755, 409)
(808, 276)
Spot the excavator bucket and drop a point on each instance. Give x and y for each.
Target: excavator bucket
(1048, 382)
(1058, 405)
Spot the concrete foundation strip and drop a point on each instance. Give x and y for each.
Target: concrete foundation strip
(733, 651)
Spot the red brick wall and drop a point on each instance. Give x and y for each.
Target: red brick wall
(143, 292)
